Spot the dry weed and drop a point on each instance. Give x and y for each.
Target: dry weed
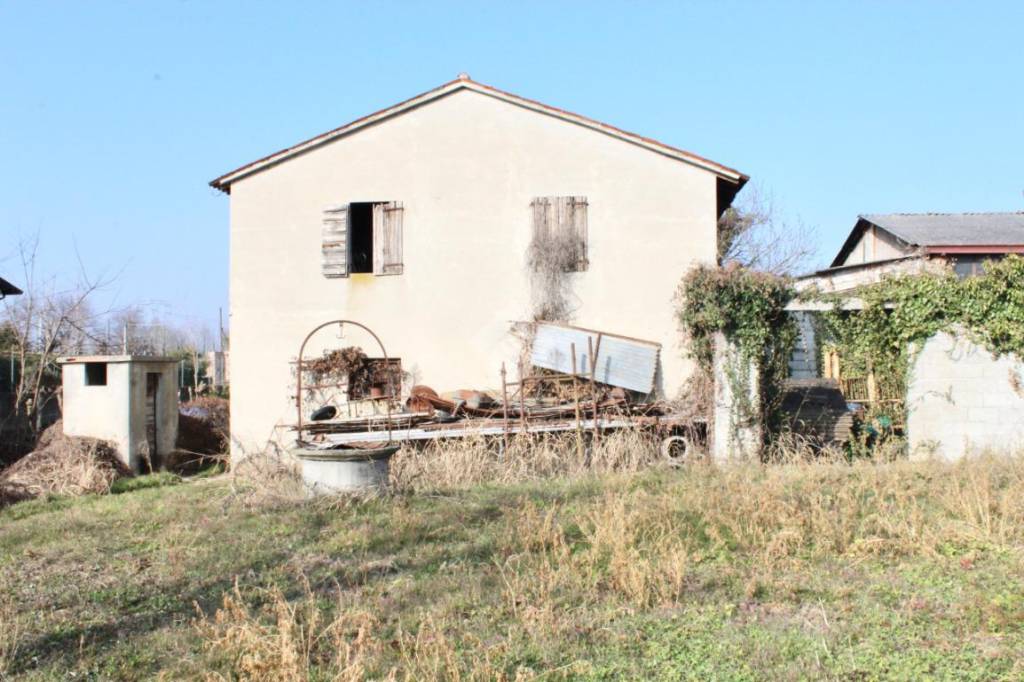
(293, 641)
(472, 461)
(639, 547)
(284, 640)
(267, 478)
(11, 627)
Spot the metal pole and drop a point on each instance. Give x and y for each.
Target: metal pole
(592, 354)
(124, 339)
(504, 406)
(522, 397)
(576, 401)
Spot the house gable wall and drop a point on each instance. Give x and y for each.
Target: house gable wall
(466, 168)
(875, 245)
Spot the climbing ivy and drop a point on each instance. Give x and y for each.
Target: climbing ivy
(748, 307)
(901, 312)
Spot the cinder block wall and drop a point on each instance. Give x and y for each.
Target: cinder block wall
(961, 399)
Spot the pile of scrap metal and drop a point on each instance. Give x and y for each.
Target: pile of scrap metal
(577, 379)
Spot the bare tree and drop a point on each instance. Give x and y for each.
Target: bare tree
(752, 234)
(40, 325)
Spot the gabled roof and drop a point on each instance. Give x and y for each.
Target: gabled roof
(463, 82)
(943, 232)
(8, 289)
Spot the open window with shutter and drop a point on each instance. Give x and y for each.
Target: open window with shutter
(561, 223)
(363, 237)
(335, 241)
(387, 238)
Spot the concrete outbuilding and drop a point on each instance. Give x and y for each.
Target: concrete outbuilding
(129, 400)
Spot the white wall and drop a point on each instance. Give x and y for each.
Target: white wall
(466, 168)
(98, 411)
(166, 408)
(960, 399)
(737, 430)
(116, 412)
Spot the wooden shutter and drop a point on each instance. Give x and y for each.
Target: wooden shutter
(574, 221)
(541, 218)
(564, 216)
(334, 241)
(387, 238)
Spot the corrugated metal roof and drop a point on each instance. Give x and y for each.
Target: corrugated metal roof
(621, 361)
(953, 229)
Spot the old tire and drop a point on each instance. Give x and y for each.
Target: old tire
(675, 449)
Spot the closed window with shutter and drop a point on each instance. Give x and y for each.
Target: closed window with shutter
(334, 241)
(561, 222)
(387, 238)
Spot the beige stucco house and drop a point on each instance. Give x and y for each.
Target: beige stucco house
(416, 221)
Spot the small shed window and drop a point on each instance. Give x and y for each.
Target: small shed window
(970, 266)
(363, 237)
(95, 374)
(561, 223)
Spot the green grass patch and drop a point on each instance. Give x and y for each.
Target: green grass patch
(780, 573)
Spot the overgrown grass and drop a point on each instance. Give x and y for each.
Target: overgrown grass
(798, 571)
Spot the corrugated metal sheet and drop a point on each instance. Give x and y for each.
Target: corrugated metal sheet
(621, 361)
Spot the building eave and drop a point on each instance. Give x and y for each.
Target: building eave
(940, 249)
(8, 289)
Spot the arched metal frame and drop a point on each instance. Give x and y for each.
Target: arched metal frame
(302, 349)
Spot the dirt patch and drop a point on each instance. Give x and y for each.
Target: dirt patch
(62, 465)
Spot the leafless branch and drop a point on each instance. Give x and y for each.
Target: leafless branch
(752, 234)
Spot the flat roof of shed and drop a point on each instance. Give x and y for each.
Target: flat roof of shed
(79, 359)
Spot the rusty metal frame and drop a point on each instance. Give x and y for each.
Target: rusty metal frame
(298, 375)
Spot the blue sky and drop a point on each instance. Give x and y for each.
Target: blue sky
(114, 116)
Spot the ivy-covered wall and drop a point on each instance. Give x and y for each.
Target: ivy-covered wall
(902, 312)
(748, 310)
